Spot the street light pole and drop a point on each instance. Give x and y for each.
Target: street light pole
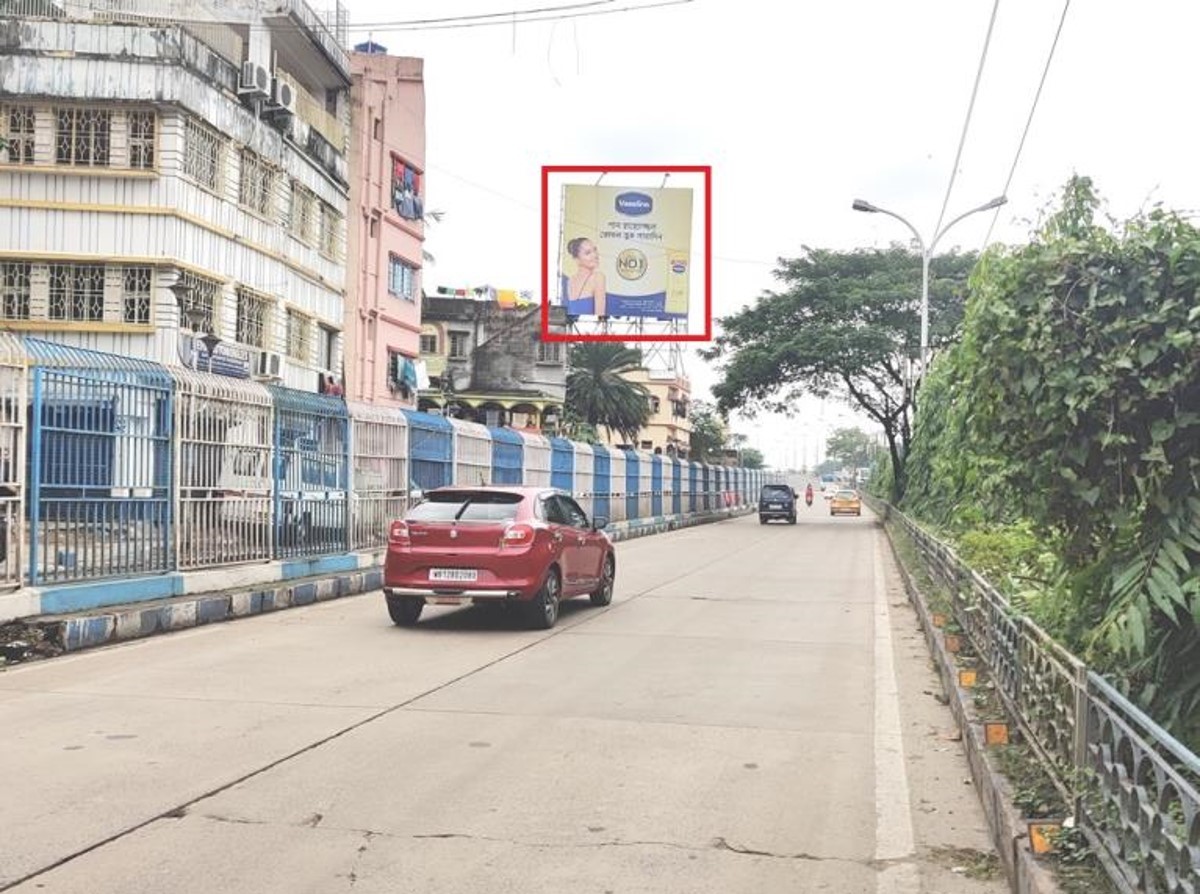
(926, 255)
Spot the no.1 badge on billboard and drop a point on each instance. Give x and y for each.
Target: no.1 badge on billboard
(625, 252)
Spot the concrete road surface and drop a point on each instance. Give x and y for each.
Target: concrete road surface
(755, 712)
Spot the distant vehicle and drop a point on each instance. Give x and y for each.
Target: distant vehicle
(776, 501)
(523, 546)
(845, 502)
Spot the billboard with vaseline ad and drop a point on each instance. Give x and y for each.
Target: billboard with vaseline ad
(625, 252)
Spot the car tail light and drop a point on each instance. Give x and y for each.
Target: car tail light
(517, 535)
(398, 534)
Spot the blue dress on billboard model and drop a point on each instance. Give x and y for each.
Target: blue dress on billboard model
(577, 307)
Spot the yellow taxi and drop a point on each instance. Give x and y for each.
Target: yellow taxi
(845, 502)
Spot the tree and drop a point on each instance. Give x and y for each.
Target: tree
(852, 447)
(598, 395)
(752, 458)
(708, 432)
(845, 324)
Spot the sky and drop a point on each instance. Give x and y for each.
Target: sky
(800, 108)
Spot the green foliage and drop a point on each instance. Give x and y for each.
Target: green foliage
(708, 432)
(1070, 414)
(850, 446)
(752, 458)
(597, 395)
(844, 324)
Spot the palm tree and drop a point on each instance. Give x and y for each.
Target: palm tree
(598, 395)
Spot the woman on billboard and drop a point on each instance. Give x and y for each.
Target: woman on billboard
(585, 289)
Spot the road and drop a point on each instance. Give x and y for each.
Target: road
(755, 712)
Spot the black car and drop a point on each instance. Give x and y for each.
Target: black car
(776, 501)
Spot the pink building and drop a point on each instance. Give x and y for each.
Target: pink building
(385, 228)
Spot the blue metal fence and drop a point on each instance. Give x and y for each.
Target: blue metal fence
(100, 478)
(695, 484)
(430, 450)
(508, 456)
(311, 473)
(601, 481)
(676, 487)
(656, 485)
(632, 483)
(562, 464)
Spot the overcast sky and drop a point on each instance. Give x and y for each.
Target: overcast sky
(800, 108)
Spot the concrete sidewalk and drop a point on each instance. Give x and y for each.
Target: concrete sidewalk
(71, 618)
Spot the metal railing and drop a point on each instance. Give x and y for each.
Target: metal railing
(1135, 789)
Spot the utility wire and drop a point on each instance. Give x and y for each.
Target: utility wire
(513, 18)
(967, 122)
(486, 15)
(1028, 121)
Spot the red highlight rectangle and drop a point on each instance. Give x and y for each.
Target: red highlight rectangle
(547, 170)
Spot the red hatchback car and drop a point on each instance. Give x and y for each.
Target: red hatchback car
(533, 546)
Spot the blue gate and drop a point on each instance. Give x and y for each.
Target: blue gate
(100, 471)
(632, 484)
(311, 473)
(430, 450)
(676, 487)
(508, 456)
(656, 486)
(562, 464)
(601, 480)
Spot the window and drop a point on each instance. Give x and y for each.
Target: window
(141, 139)
(458, 345)
(327, 347)
(647, 445)
(549, 352)
(17, 128)
(377, 132)
(203, 154)
(253, 317)
(14, 290)
(299, 336)
(428, 344)
(82, 136)
(402, 278)
(331, 232)
(303, 217)
(135, 300)
(77, 293)
(257, 186)
(373, 228)
(655, 404)
(200, 303)
(406, 191)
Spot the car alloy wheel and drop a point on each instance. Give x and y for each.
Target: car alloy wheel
(604, 595)
(544, 607)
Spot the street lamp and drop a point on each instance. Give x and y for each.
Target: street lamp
(926, 254)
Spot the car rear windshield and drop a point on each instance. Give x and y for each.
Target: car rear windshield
(482, 506)
(775, 491)
(847, 495)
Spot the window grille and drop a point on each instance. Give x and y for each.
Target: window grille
(141, 139)
(257, 184)
(303, 218)
(331, 232)
(201, 302)
(82, 136)
(299, 336)
(253, 317)
(549, 352)
(18, 123)
(14, 280)
(77, 293)
(458, 345)
(135, 301)
(402, 278)
(202, 158)
(428, 344)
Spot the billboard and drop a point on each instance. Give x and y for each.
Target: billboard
(625, 252)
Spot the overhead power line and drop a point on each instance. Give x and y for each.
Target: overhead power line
(967, 121)
(1029, 121)
(515, 17)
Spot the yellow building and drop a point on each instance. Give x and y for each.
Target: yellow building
(669, 430)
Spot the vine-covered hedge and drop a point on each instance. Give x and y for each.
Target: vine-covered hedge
(1059, 442)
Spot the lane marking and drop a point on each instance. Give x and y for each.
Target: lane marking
(894, 839)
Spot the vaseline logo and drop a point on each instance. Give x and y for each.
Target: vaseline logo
(631, 264)
(634, 203)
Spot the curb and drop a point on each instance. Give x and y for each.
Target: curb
(55, 635)
(1026, 874)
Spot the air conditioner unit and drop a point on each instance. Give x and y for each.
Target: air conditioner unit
(269, 365)
(255, 81)
(282, 98)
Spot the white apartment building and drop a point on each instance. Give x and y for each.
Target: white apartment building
(173, 182)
